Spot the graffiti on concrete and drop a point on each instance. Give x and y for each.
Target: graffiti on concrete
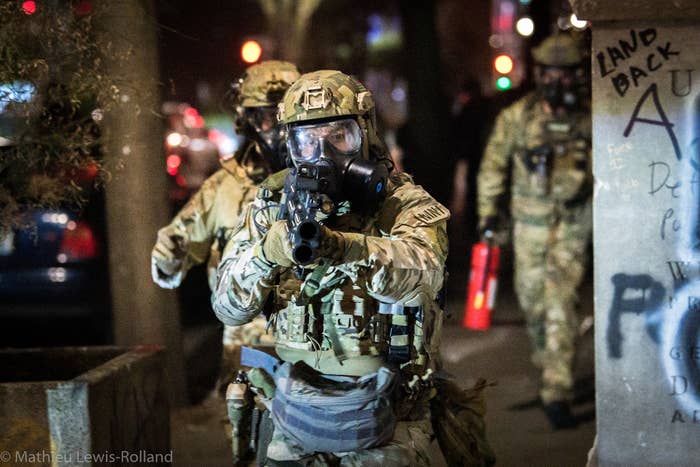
(681, 87)
(665, 295)
(641, 43)
(633, 294)
(662, 120)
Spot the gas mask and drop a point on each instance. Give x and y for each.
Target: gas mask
(260, 125)
(561, 88)
(330, 153)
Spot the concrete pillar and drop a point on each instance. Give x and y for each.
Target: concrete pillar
(646, 129)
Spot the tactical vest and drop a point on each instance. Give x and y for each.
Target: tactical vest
(551, 165)
(340, 329)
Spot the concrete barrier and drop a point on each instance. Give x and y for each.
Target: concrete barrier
(84, 406)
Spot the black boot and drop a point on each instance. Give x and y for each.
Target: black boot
(559, 415)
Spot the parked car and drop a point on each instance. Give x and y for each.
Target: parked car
(54, 257)
(54, 282)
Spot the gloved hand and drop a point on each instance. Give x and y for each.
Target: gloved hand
(276, 246)
(488, 226)
(332, 245)
(169, 250)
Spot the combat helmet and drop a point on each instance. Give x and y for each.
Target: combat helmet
(262, 85)
(558, 50)
(330, 94)
(560, 73)
(254, 100)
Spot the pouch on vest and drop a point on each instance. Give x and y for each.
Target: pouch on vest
(538, 163)
(571, 181)
(325, 413)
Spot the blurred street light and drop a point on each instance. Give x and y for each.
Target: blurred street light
(174, 139)
(525, 26)
(503, 64)
(251, 51)
(172, 163)
(496, 41)
(577, 23)
(29, 7)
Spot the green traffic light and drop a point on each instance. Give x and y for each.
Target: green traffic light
(503, 83)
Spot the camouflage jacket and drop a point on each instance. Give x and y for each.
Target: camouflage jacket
(393, 259)
(547, 160)
(209, 217)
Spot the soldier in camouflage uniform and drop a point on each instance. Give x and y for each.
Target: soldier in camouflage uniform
(544, 141)
(367, 302)
(200, 229)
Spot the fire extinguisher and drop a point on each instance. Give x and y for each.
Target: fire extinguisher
(483, 281)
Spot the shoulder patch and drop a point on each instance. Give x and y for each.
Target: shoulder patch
(432, 214)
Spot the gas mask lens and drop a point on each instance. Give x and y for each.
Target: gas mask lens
(263, 119)
(306, 142)
(560, 87)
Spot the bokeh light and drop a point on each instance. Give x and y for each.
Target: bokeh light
(251, 51)
(503, 64)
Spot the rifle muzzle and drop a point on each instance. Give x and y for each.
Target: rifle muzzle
(306, 241)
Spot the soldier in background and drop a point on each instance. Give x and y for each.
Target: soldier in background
(543, 143)
(200, 230)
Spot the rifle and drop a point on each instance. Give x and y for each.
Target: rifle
(310, 188)
(304, 188)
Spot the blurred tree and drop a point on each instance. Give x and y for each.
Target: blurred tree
(52, 77)
(288, 22)
(136, 197)
(428, 154)
(339, 28)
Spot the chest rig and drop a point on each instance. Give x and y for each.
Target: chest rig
(331, 323)
(553, 158)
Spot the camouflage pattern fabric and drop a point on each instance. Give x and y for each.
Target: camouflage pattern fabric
(265, 82)
(210, 213)
(396, 255)
(252, 333)
(549, 266)
(536, 198)
(203, 223)
(458, 421)
(558, 50)
(324, 94)
(551, 207)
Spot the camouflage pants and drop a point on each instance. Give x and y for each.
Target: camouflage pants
(550, 262)
(409, 447)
